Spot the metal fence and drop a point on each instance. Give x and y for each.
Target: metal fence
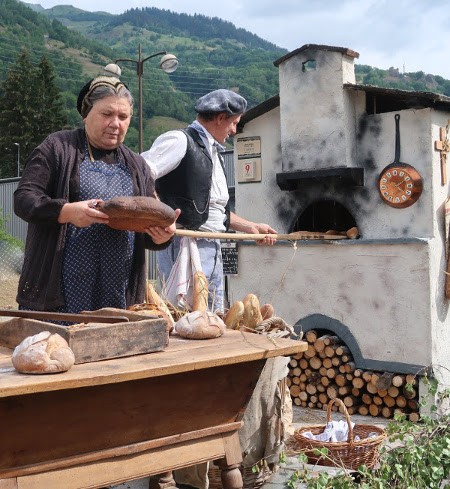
(13, 225)
(229, 167)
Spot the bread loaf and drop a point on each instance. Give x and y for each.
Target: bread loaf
(252, 311)
(267, 311)
(200, 325)
(43, 353)
(200, 292)
(235, 315)
(136, 213)
(155, 311)
(152, 297)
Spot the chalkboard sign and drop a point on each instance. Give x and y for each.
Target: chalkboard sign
(230, 257)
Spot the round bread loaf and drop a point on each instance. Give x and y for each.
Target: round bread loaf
(136, 213)
(43, 353)
(200, 325)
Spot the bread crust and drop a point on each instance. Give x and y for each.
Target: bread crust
(200, 292)
(252, 311)
(136, 213)
(43, 353)
(155, 310)
(267, 311)
(235, 315)
(152, 297)
(200, 325)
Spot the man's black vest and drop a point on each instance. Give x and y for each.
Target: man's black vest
(188, 186)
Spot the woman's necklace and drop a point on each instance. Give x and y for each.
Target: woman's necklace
(91, 156)
(108, 156)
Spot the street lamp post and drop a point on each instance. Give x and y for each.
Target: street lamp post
(18, 158)
(168, 63)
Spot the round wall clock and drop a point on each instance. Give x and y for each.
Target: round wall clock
(400, 185)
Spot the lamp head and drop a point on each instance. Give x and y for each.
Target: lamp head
(169, 63)
(112, 70)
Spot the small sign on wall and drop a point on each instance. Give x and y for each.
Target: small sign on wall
(229, 257)
(249, 159)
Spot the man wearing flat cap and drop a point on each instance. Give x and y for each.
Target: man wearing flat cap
(189, 174)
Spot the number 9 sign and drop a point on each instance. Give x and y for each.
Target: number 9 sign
(249, 170)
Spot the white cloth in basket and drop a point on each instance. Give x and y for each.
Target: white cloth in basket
(335, 431)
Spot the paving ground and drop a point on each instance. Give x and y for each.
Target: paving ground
(8, 289)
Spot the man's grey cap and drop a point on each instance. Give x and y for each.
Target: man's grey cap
(221, 100)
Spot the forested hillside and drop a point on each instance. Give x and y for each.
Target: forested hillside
(80, 43)
(206, 42)
(212, 53)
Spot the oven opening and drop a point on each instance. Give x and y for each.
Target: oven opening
(323, 216)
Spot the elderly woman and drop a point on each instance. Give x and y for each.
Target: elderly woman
(73, 260)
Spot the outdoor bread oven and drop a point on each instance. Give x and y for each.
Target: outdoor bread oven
(331, 155)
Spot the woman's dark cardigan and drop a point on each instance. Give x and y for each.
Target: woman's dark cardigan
(51, 178)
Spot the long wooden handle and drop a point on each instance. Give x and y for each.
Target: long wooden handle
(60, 316)
(298, 235)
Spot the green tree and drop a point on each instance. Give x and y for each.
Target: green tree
(15, 102)
(50, 115)
(30, 109)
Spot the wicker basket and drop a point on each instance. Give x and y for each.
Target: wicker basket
(350, 454)
(251, 480)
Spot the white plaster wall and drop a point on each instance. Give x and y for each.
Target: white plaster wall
(376, 149)
(379, 291)
(256, 200)
(388, 287)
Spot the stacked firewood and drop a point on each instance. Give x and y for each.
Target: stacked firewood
(326, 370)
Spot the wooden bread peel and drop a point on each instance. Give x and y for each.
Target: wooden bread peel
(295, 236)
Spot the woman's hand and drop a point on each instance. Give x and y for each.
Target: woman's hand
(82, 214)
(160, 235)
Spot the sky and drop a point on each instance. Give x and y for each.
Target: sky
(411, 35)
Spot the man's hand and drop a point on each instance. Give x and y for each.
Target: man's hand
(262, 228)
(242, 225)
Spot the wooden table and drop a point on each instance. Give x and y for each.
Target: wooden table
(108, 422)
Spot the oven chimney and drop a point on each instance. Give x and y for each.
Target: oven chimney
(317, 116)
